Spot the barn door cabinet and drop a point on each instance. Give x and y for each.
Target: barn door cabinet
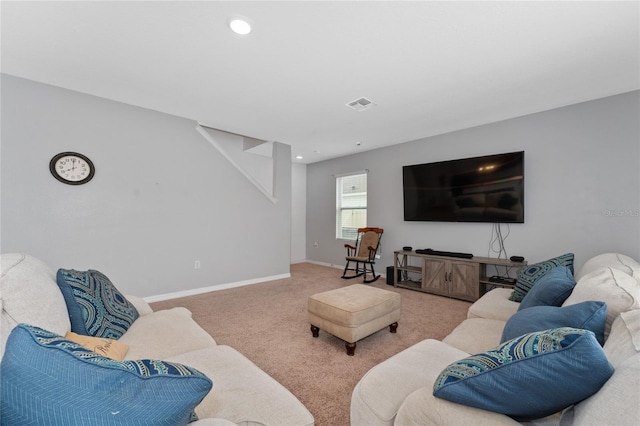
(460, 278)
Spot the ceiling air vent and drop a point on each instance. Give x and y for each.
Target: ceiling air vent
(360, 104)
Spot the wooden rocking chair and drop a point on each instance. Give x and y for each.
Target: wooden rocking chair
(363, 254)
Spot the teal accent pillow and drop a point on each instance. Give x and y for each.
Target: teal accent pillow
(46, 377)
(551, 290)
(529, 377)
(530, 274)
(96, 307)
(590, 315)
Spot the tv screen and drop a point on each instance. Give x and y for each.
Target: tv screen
(479, 189)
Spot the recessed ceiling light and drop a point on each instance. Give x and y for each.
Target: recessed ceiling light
(299, 157)
(240, 25)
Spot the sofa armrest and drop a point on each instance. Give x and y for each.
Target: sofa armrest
(422, 408)
(381, 391)
(140, 304)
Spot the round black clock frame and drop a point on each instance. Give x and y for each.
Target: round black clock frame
(82, 158)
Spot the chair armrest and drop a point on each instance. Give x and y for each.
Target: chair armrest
(351, 250)
(140, 304)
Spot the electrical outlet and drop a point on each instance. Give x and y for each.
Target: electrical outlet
(196, 264)
(377, 256)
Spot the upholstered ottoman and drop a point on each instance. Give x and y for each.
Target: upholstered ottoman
(353, 313)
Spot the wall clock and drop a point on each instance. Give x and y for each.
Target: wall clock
(72, 168)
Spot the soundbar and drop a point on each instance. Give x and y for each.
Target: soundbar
(445, 253)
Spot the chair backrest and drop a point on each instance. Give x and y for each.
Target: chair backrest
(368, 237)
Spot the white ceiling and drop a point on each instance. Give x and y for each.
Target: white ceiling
(431, 67)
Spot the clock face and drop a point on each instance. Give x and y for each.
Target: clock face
(72, 168)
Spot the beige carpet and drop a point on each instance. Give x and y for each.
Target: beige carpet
(267, 322)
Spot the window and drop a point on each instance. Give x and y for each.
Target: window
(351, 204)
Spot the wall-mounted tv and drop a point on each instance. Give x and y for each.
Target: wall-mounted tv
(479, 189)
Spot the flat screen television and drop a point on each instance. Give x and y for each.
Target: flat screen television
(480, 189)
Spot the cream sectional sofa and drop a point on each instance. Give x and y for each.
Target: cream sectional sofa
(399, 391)
(241, 394)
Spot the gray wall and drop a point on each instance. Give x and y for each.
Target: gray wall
(298, 212)
(162, 196)
(582, 186)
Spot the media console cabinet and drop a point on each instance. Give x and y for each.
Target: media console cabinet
(460, 278)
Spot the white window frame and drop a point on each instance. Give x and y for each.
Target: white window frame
(350, 201)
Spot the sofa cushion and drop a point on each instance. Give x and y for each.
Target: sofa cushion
(243, 393)
(611, 260)
(30, 295)
(549, 370)
(550, 290)
(165, 333)
(615, 404)
(589, 315)
(475, 335)
(107, 348)
(529, 275)
(624, 340)
(45, 376)
(423, 408)
(96, 307)
(620, 291)
(494, 304)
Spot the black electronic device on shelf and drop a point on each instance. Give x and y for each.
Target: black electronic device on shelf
(445, 253)
(502, 280)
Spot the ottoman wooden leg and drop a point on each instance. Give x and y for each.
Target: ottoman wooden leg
(351, 348)
(393, 327)
(315, 331)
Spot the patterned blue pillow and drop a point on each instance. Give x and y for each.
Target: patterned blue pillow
(96, 307)
(530, 274)
(529, 377)
(45, 376)
(590, 315)
(551, 290)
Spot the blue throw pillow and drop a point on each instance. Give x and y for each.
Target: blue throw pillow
(551, 290)
(48, 378)
(530, 274)
(96, 307)
(590, 315)
(529, 377)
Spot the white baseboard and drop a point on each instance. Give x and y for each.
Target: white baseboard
(193, 292)
(201, 290)
(331, 265)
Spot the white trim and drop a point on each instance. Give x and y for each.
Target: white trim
(217, 146)
(341, 267)
(359, 172)
(196, 291)
(330, 265)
